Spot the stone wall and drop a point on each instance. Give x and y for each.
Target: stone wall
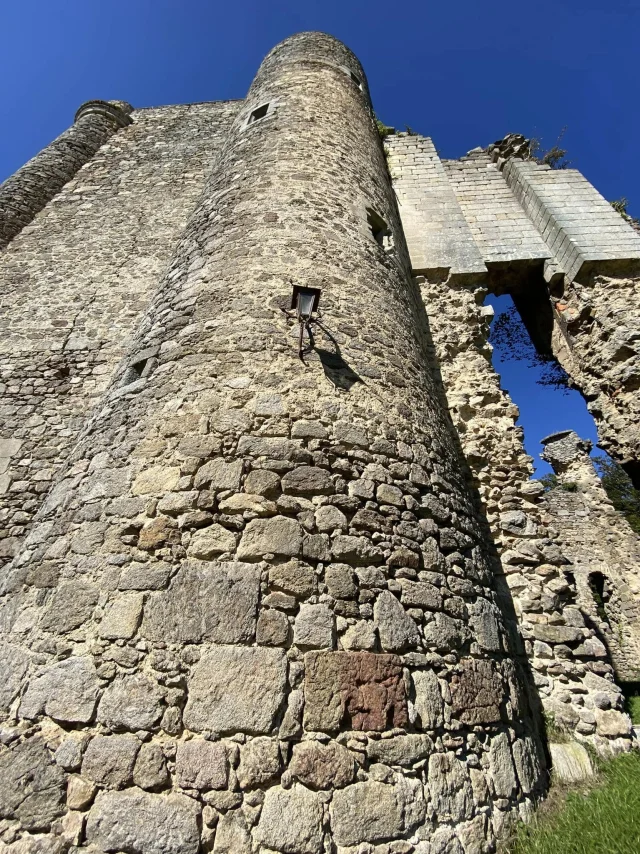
(74, 282)
(603, 549)
(38, 181)
(595, 338)
(257, 610)
(569, 663)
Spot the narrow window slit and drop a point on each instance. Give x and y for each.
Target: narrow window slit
(356, 80)
(258, 113)
(379, 229)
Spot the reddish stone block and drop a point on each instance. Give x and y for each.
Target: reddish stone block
(354, 690)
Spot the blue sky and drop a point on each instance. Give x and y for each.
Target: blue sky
(464, 73)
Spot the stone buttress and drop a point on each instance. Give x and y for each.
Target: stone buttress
(256, 612)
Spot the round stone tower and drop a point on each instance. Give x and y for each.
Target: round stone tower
(256, 613)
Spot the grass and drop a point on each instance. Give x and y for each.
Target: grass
(633, 709)
(599, 816)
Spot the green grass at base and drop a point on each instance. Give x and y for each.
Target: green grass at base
(633, 707)
(605, 819)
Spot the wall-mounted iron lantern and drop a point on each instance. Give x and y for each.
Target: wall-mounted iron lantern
(304, 301)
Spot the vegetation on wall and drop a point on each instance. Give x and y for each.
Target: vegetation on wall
(383, 130)
(555, 157)
(621, 491)
(620, 205)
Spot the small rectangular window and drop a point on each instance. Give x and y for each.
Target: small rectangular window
(258, 113)
(379, 229)
(356, 80)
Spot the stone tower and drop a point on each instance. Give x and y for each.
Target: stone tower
(259, 607)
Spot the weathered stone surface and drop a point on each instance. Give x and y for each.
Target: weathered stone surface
(259, 762)
(387, 494)
(450, 787)
(476, 691)
(557, 634)
(145, 576)
(232, 834)
(291, 821)
(150, 770)
(501, 766)
(611, 723)
(109, 760)
(263, 482)
(236, 689)
(322, 766)
(157, 532)
(242, 502)
(294, 577)
(131, 703)
(400, 750)
(373, 811)
(210, 542)
(72, 604)
(362, 635)
(526, 758)
(141, 823)
(307, 480)
(420, 593)
(272, 628)
(570, 762)
(32, 786)
(357, 551)
(361, 690)
(396, 629)
(278, 535)
(156, 480)
(329, 518)
(428, 700)
(67, 692)
(122, 617)
(15, 663)
(201, 764)
(69, 754)
(339, 579)
(484, 624)
(205, 601)
(80, 793)
(444, 633)
(314, 627)
(218, 475)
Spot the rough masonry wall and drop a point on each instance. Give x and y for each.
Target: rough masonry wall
(569, 662)
(596, 338)
(257, 613)
(38, 181)
(74, 282)
(597, 539)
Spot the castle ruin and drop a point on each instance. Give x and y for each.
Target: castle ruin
(277, 579)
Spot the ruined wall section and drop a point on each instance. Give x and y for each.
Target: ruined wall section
(597, 540)
(74, 282)
(569, 662)
(257, 611)
(596, 340)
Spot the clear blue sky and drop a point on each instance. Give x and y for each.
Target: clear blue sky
(465, 73)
